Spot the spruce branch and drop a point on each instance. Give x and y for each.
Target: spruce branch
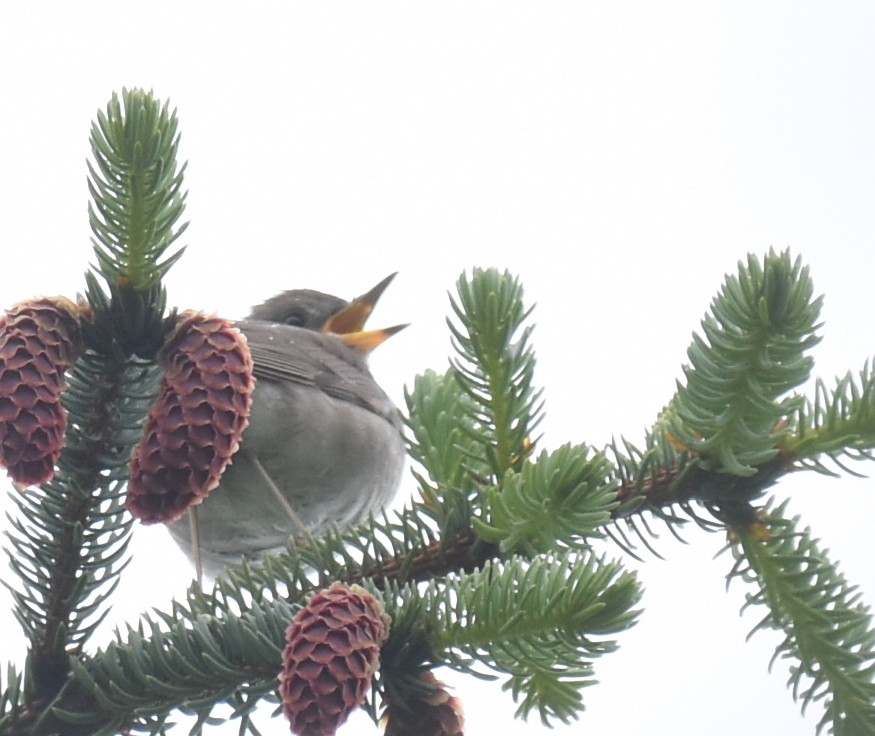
(540, 621)
(730, 412)
(829, 638)
(495, 365)
(837, 423)
(68, 542)
(136, 189)
(67, 545)
(558, 500)
(443, 438)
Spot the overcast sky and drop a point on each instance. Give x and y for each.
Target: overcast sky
(619, 157)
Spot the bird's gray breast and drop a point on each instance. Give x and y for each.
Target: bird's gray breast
(322, 430)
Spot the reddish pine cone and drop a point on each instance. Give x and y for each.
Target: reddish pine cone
(39, 340)
(431, 713)
(194, 427)
(332, 651)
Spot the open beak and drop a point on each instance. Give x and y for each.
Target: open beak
(367, 340)
(349, 322)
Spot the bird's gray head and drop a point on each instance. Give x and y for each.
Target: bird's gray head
(299, 308)
(313, 310)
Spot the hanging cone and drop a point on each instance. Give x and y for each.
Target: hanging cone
(432, 712)
(194, 427)
(39, 340)
(332, 651)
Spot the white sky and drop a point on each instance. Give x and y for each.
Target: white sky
(619, 157)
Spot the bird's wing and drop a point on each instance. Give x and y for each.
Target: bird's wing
(319, 360)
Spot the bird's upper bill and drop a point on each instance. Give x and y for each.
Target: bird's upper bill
(348, 323)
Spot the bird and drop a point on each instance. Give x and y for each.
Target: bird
(324, 443)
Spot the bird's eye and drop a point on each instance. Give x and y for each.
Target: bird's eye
(295, 320)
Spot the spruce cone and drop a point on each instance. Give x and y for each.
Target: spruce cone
(39, 340)
(194, 427)
(432, 713)
(332, 651)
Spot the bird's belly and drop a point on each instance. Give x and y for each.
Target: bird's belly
(333, 462)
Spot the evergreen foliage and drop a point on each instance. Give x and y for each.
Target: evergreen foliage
(828, 635)
(732, 409)
(489, 570)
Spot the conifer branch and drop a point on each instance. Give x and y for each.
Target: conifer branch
(69, 541)
(732, 411)
(828, 631)
(489, 569)
(136, 189)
